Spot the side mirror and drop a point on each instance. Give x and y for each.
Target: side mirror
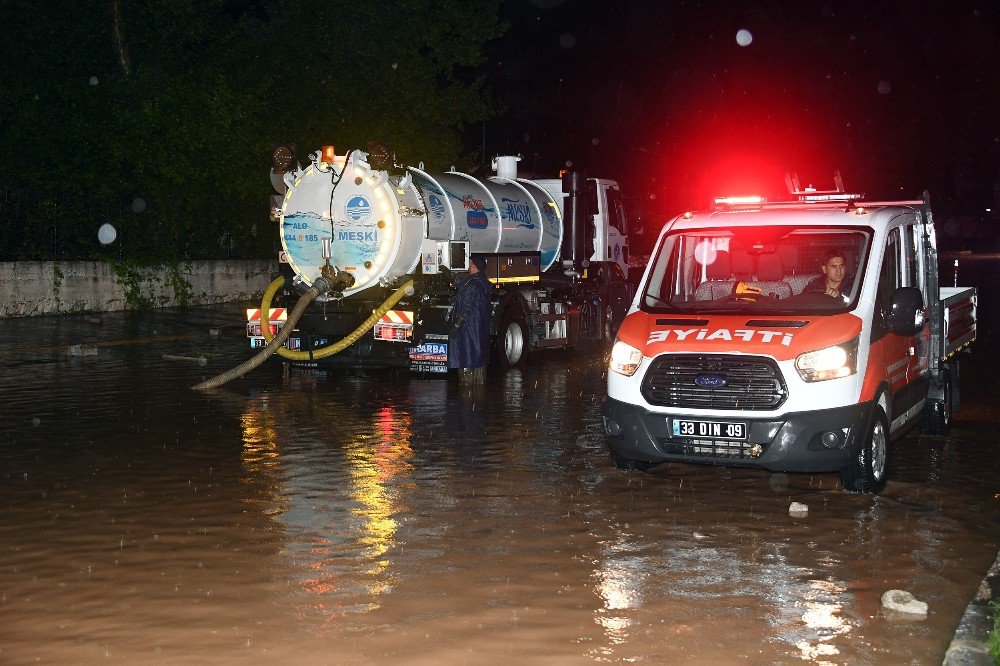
(906, 314)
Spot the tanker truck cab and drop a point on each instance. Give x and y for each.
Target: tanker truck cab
(797, 337)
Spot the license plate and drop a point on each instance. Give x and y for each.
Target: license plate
(293, 344)
(709, 429)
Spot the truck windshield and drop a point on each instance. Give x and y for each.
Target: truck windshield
(766, 270)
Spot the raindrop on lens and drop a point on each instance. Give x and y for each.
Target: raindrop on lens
(705, 253)
(743, 37)
(107, 234)
(567, 41)
(595, 141)
(35, 421)
(94, 81)
(138, 205)
(884, 88)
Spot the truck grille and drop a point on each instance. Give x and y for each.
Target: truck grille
(712, 448)
(748, 382)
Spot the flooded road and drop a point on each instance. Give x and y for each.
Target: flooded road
(314, 519)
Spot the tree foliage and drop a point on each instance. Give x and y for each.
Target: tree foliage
(209, 85)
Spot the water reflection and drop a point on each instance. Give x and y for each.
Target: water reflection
(621, 579)
(823, 606)
(337, 500)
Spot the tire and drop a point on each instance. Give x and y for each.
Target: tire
(937, 413)
(629, 465)
(512, 342)
(867, 473)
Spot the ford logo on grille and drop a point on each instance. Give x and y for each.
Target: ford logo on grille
(710, 381)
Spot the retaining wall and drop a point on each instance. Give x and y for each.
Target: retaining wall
(30, 288)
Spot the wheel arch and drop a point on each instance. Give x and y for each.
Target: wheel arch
(509, 301)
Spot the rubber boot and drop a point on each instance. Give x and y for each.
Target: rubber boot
(473, 376)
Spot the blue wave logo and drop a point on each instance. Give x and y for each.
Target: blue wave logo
(358, 209)
(710, 381)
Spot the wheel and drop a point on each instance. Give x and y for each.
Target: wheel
(629, 465)
(937, 413)
(867, 473)
(511, 340)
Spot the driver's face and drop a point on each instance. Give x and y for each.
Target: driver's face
(834, 269)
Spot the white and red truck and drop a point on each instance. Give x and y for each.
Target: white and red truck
(729, 355)
(558, 259)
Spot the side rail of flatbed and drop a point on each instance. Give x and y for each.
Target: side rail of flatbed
(959, 318)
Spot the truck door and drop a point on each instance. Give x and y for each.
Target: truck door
(918, 373)
(895, 349)
(616, 235)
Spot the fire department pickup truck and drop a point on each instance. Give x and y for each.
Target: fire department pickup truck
(741, 348)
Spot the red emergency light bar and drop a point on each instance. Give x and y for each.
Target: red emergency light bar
(328, 154)
(728, 203)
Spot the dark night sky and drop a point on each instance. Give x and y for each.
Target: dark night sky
(901, 97)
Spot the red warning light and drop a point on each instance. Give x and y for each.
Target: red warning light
(328, 154)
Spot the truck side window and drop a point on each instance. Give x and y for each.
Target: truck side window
(889, 277)
(911, 269)
(616, 211)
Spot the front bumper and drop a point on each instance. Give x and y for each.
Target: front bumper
(789, 443)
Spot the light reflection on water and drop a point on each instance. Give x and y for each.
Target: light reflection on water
(334, 523)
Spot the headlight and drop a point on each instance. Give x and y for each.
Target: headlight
(829, 363)
(625, 358)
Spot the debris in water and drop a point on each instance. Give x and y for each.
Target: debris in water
(215, 332)
(82, 350)
(200, 360)
(902, 601)
(699, 535)
(798, 509)
(96, 320)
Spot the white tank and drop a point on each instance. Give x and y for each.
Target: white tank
(375, 223)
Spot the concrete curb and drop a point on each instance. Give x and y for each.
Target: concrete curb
(968, 647)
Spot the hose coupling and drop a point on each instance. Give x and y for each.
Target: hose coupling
(323, 285)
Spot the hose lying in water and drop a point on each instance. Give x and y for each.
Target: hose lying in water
(275, 344)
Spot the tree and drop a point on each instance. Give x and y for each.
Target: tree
(176, 103)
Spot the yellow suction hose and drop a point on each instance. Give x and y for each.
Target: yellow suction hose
(275, 343)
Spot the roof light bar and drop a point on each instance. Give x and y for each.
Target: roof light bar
(754, 201)
(829, 196)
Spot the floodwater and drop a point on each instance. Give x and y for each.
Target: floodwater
(334, 519)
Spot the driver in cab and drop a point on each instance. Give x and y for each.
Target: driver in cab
(834, 280)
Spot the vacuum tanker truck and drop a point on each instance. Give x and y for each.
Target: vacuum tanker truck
(373, 232)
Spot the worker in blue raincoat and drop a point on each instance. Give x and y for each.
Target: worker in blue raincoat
(469, 341)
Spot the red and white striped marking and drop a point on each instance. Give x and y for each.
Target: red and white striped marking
(397, 317)
(276, 314)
